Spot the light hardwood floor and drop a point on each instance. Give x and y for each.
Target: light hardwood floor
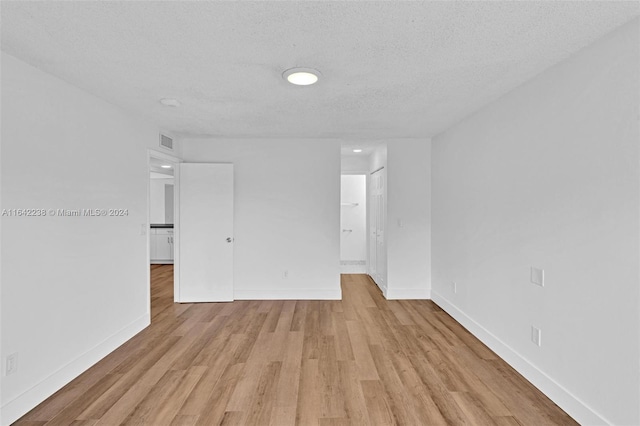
(362, 360)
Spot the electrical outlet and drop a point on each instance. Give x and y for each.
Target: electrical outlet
(11, 366)
(536, 336)
(454, 287)
(537, 276)
(285, 274)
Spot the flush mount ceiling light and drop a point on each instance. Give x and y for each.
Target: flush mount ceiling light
(170, 102)
(357, 150)
(166, 166)
(301, 76)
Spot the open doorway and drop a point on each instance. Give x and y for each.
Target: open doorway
(353, 224)
(162, 204)
(364, 161)
(161, 212)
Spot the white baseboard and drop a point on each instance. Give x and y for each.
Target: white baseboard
(353, 269)
(22, 404)
(289, 294)
(353, 266)
(572, 405)
(408, 293)
(382, 287)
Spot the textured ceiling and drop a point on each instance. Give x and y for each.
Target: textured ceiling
(389, 69)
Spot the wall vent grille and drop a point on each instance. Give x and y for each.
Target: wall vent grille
(166, 142)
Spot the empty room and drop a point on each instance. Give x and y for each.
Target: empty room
(320, 213)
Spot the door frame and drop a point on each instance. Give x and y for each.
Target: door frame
(173, 160)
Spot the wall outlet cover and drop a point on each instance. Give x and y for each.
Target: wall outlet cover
(536, 336)
(537, 276)
(11, 365)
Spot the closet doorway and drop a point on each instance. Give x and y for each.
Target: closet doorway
(353, 224)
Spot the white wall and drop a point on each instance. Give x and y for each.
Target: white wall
(157, 202)
(378, 158)
(409, 219)
(73, 288)
(354, 164)
(287, 214)
(548, 177)
(353, 224)
(407, 164)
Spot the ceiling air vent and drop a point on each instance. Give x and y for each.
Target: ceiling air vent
(166, 141)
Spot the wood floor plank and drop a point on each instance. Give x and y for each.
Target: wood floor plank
(214, 409)
(245, 389)
(333, 421)
(343, 342)
(472, 409)
(286, 316)
(258, 411)
(283, 416)
(361, 360)
(396, 392)
(289, 380)
(147, 383)
(220, 376)
(361, 353)
(72, 411)
(308, 408)
(232, 418)
(144, 411)
(506, 421)
(377, 405)
(354, 403)
(184, 420)
(167, 408)
(83, 423)
(331, 390)
(103, 402)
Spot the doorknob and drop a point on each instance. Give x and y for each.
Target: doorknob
(228, 239)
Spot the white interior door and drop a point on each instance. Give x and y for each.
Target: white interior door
(373, 219)
(206, 232)
(381, 245)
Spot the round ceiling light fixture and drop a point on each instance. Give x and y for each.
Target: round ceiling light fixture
(170, 102)
(301, 76)
(357, 150)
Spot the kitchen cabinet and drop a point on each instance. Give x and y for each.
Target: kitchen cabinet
(161, 245)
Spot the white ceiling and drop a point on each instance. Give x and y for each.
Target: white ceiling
(389, 69)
